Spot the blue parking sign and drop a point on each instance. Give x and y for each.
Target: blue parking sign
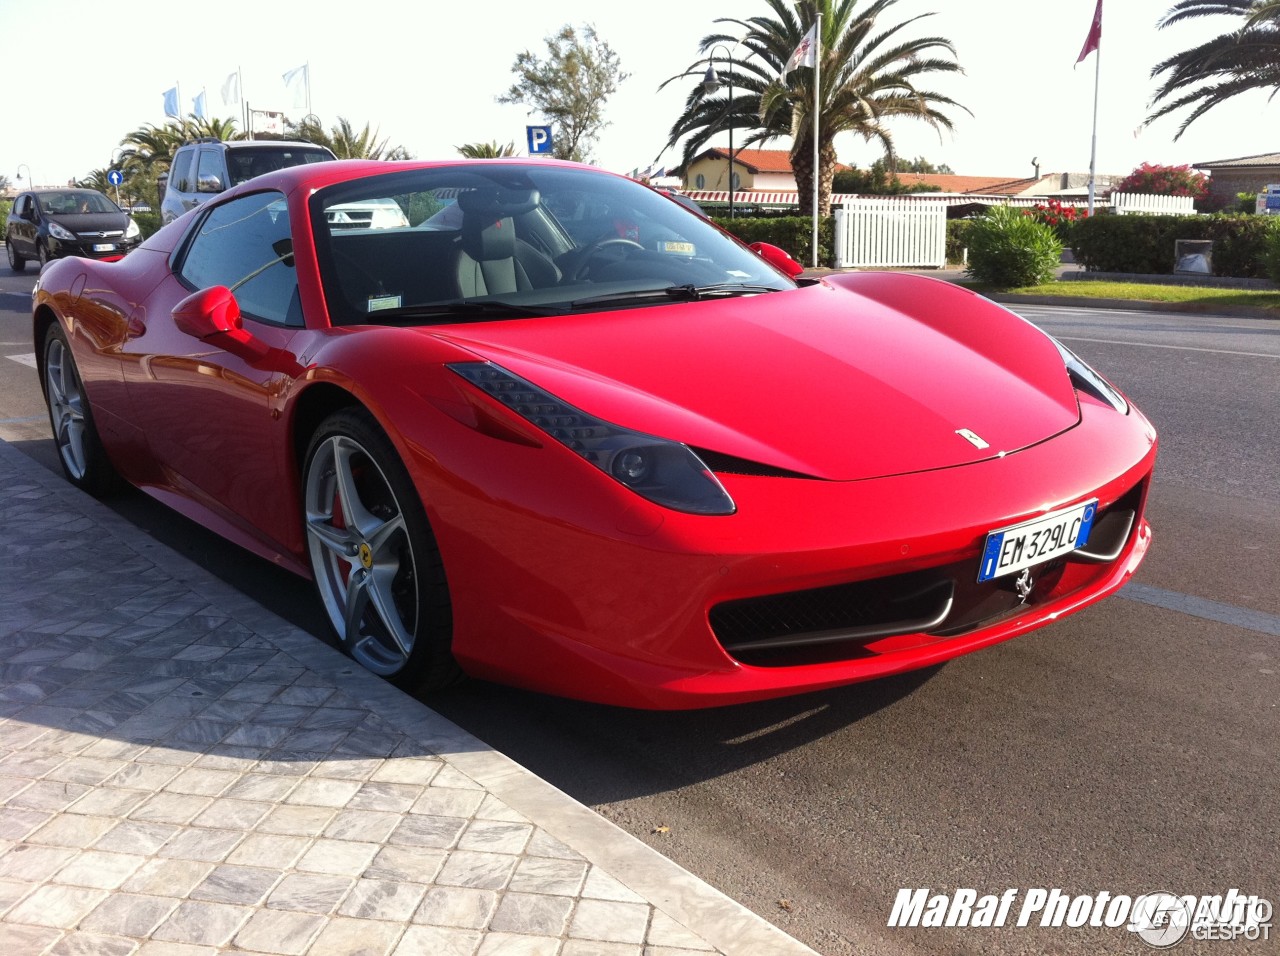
(539, 139)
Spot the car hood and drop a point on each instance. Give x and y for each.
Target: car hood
(848, 379)
(92, 221)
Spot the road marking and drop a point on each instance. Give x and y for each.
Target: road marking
(1204, 608)
(26, 358)
(1153, 345)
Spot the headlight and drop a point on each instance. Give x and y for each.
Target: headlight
(61, 232)
(132, 232)
(1085, 379)
(666, 472)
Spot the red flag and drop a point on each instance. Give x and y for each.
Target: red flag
(1094, 38)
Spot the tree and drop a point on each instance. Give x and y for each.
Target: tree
(1243, 59)
(486, 150)
(876, 181)
(345, 142)
(1165, 181)
(869, 77)
(4, 183)
(569, 88)
(922, 165)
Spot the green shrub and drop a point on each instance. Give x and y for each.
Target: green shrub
(958, 238)
(148, 223)
(1271, 255)
(1145, 244)
(1008, 249)
(792, 233)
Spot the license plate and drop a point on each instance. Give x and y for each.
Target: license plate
(104, 247)
(1021, 546)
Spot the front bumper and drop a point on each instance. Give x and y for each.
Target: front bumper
(627, 614)
(106, 249)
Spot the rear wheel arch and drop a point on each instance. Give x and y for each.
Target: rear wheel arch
(42, 318)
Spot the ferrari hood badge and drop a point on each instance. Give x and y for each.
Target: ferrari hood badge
(973, 439)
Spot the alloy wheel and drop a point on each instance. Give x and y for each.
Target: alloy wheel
(66, 407)
(362, 554)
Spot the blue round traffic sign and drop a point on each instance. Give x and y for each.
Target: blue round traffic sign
(115, 177)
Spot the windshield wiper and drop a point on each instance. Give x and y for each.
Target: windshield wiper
(679, 293)
(486, 309)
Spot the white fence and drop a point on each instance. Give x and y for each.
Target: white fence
(1126, 203)
(900, 233)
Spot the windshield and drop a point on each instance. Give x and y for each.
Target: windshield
(506, 240)
(246, 162)
(74, 202)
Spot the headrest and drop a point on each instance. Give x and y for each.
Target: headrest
(485, 240)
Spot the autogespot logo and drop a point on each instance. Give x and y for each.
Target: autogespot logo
(1160, 919)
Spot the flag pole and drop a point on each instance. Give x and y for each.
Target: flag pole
(817, 173)
(1093, 150)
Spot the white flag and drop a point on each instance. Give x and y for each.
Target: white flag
(231, 90)
(297, 83)
(806, 54)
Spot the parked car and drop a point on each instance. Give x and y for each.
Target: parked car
(49, 224)
(652, 470)
(204, 169)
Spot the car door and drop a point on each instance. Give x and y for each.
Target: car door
(212, 418)
(22, 228)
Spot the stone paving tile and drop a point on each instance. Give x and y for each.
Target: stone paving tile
(177, 782)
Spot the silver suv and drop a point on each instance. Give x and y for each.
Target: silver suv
(204, 169)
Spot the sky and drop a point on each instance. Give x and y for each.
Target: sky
(427, 72)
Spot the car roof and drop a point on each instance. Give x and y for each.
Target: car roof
(259, 143)
(320, 175)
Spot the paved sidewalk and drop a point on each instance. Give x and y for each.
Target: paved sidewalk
(183, 773)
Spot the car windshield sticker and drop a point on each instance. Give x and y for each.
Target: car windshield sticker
(379, 302)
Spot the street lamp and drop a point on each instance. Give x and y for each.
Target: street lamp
(30, 182)
(710, 83)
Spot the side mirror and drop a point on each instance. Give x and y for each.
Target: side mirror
(208, 183)
(212, 315)
(778, 258)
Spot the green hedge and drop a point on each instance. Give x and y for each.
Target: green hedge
(792, 233)
(1145, 244)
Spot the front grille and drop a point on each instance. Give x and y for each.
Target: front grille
(839, 622)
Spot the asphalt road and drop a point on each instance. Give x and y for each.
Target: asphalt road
(1129, 749)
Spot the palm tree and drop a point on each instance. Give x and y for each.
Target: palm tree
(345, 142)
(1238, 61)
(486, 150)
(869, 76)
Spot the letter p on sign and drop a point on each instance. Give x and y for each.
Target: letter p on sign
(539, 139)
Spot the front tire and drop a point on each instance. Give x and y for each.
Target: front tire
(42, 253)
(16, 262)
(376, 565)
(84, 460)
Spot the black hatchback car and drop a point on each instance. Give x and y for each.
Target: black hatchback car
(52, 223)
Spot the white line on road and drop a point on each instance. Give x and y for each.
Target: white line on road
(26, 358)
(1204, 608)
(1153, 345)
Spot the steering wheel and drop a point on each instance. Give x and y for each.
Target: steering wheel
(587, 253)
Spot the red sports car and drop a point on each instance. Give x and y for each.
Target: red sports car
(546, 426)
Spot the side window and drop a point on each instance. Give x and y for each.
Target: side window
(21, 206)
(180, 174)
(238, 239)
(210, 176)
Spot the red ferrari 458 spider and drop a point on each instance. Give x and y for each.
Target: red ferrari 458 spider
(537, 423)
